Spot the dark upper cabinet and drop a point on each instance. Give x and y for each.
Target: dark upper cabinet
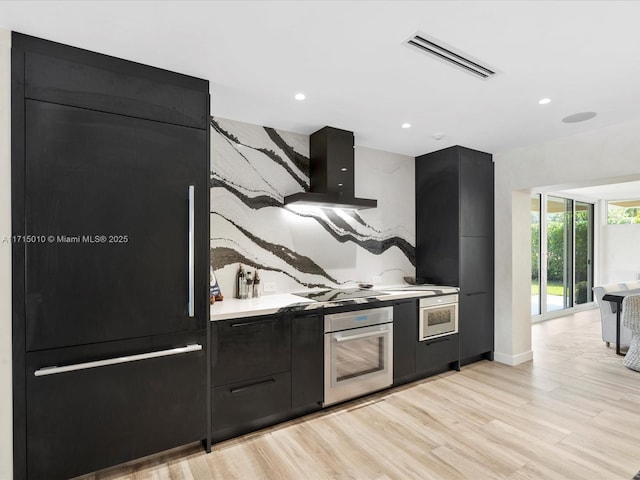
(476, 265)
(71, 76)
(248, 348)
(307, 360)
(437, 205)
(109, 196)
(476, 193)
(405, 336)
(454, 237)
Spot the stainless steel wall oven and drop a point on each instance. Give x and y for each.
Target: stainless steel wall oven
(438, 316)
(358, 353)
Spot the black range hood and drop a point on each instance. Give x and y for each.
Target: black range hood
(331, 173)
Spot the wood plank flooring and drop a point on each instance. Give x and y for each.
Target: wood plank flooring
(572, 413)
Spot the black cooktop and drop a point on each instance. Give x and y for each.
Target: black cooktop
(339, 294)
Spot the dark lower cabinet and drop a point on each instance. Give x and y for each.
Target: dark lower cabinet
(248, 348)
(87, 419)
(245, 406)
(476, 332)
(250, 374)
(438, 354)
(413, 359)
(307, 361)
(405, 336)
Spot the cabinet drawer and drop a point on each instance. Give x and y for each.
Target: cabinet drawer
(241, 407)
(437, 353)
(247, 348)
(140, 399)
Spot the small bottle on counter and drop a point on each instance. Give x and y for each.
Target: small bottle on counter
(249, 285)
(256, 285)
(241, 287)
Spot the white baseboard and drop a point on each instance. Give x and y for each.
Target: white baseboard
(513, 360)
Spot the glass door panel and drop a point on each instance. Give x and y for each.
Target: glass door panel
(559, 232)
(583, 253)
(535, 255)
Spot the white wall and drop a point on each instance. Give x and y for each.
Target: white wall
(621, 254)
(608, 155)
(6, 429)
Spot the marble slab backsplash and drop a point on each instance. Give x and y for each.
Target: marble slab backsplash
(253, 168)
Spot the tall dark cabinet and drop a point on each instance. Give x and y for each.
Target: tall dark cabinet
(454, 238)
(110, 205)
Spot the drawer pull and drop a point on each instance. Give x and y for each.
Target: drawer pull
(251, 386)
(439, 340)
(115, 361)
(248, 324)
(475, 293)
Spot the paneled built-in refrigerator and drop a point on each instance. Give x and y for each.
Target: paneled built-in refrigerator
(110, 222)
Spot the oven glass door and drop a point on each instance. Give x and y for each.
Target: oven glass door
(357, 361)
(438, 320)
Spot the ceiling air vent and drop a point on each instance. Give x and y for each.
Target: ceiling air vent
(439, 50)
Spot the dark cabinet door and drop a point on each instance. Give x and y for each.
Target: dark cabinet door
(437, 203)
(307, 360)
(87, 419)
(476, 324)
(405, 335)
(248, 348)
(476, 264)
(107, 206)
(476, 194)
(245, 406)
(437, 354)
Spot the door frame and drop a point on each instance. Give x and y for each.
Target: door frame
(542, 265)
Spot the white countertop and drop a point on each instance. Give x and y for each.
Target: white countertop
(270, 304)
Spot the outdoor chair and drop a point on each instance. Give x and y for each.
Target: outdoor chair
(631, 320)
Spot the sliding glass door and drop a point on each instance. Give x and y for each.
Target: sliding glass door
(561, 254)
(583, 268)
(559, 231)
(536, 304)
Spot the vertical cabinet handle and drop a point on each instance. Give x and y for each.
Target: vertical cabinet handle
(192, 219)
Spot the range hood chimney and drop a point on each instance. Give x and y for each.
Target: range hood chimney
(331, 173)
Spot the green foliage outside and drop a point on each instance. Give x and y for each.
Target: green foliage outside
(552, 289)
(559, 249)
(619, 215)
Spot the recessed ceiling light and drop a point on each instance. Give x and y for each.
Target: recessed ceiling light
(579, 117)
(300, 96)
(406, 125)
(544, 101)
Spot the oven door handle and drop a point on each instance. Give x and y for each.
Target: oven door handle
(361, 335)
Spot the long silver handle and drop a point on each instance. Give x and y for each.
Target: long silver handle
(192, 232)
(362, 335)
(115, 361)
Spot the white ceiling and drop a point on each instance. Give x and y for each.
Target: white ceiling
(348, 58)
(614, 191)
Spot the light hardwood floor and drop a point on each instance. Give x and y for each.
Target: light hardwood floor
(574, 412)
